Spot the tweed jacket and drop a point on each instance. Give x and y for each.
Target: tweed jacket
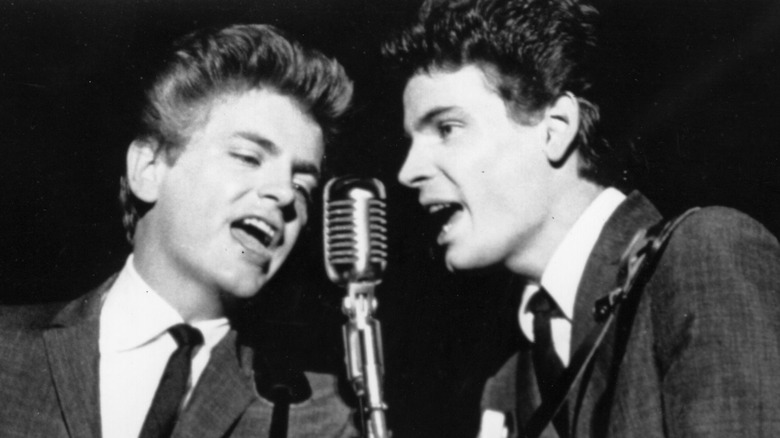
(701, 355)
(49, 383)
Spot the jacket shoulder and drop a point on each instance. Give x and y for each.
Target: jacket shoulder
(29, 316)
(719, 245)
(718, 279)
(713, 224)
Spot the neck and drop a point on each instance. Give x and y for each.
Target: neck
(191, 299)
(564, 210)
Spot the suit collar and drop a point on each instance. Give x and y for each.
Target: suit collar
(599, 278)
(563, 272)
(71, 343)
(601, 269)
(224, 391)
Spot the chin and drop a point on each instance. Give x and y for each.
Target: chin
(466, 260)
(242, 288)
(454, 263)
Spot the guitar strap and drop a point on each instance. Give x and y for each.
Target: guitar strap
(636, 266)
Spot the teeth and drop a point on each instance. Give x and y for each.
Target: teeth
(442, 213)
(436, 208)
(263, 227)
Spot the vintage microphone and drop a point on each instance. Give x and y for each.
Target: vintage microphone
(355, 257)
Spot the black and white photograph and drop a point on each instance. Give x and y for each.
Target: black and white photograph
(390, 218)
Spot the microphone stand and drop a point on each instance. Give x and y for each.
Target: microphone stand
(363, 348)
(355, 256)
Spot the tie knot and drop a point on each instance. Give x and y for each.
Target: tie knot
(542, 304)
(185, 335)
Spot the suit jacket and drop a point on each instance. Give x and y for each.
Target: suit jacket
(49, 383)
(701, 357)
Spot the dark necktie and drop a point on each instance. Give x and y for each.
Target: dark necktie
(161, 417)
(547, 364)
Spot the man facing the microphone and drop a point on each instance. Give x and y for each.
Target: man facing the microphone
(505, 153)
(217, 191)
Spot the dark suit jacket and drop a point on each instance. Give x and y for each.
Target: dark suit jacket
(702, 356)
(49, 383)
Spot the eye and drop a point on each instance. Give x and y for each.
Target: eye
(304, 192)
(249, 159)
(447, 128)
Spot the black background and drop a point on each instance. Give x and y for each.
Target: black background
(694, 84)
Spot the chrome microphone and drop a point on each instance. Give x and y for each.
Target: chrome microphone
(355, 257)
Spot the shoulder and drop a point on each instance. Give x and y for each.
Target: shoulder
(710, 225)
(28, 316)
(721, 245)
(22, 328)
(718, 279)
(42, 315)
(724, 244)
(22, 350)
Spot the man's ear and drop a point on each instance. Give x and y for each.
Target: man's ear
(145, 169)
(562, 120)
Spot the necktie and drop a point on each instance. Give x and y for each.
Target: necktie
(547, 363)
(161, 417)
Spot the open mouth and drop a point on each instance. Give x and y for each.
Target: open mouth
(441, 214)
(258, 229)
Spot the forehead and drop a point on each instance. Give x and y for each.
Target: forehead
(264, 114)
(465, 89)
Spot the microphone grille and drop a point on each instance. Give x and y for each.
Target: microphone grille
(355, 237)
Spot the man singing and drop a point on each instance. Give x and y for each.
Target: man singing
(217, 191)
(506, 155)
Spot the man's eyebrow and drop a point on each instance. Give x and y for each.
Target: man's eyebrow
(259, 140)
(428, 117)
(307, 167)
(299, 166)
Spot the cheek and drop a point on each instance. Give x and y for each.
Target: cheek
(293, 230)
(498, 192)
(302, 210)
(213, 190)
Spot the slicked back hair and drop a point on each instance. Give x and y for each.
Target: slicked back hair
(531, 51)
(208, 64)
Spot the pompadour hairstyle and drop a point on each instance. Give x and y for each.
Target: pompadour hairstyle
(207, 64)
(531, 51)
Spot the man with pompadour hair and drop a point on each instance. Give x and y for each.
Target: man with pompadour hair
(219, 184)
(507, 157)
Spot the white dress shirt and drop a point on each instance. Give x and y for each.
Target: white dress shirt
(134, 350)
(562, 275)
(561, 278)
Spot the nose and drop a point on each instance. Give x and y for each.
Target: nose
(418, 166)
(278, 186)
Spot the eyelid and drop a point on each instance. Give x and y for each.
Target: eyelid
(245, 148)
(449, 124)
(448, 119)
(303, 186)
(247, 157)
(306, 188)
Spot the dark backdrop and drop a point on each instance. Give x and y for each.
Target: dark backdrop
(694, 84)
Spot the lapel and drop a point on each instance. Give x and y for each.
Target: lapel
(71, 343)
(600, 277)
(223, 393)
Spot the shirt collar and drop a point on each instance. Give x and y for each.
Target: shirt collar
(562, 275)
(133, 314)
